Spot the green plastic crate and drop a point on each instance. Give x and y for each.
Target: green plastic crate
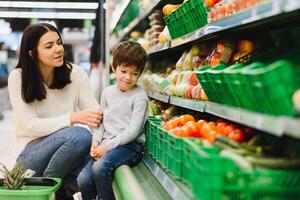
(232, 85)
(248, 100)
(175, 150)
(30, 192)
(217, 177)
(152, 130)
(203, 78)
(187, 157)
(273, 87)
(216, 82)
(190, 16)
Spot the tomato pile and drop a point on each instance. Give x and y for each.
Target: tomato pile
(187, 126)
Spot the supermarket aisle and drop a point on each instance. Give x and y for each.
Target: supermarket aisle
(6, 139)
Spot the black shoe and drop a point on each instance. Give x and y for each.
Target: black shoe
(61, 194)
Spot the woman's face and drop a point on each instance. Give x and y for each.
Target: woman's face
(50, 51)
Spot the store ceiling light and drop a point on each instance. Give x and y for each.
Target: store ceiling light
(57, 5)
(47, 15)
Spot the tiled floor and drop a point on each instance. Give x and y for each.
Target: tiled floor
(6, 139)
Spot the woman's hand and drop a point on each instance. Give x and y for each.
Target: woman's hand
(92, 117)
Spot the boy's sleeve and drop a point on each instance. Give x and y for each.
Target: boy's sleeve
(98, 133)
(139, 116)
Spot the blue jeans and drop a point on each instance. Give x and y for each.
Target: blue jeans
(96, 177)
(60, 154)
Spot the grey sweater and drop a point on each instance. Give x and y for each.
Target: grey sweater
(124, 116)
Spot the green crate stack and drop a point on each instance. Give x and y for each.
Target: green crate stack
(190, 16)
(273, 87)
(175, 150)
(203, 78)
(152, 135)
(215, 177)
(216, 80)
(165, 161)
(233, 85)
(248, 100)
(187, 157)
(162, 147)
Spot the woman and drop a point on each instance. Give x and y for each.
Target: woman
(49, 96)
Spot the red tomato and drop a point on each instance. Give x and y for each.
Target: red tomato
(185, 132)
(221, 126)
(172, 123)
(176, 131)
(193, 129)
(237, 135)
(185, 118)
(211, 136)
(205, 131)
(209, 3)
(228, 129)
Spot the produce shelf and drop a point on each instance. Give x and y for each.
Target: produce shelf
(260, 15)
(188, 103)
(143, 16)
(118, 14)
(274, 125)
(160, 97)
(175, 189)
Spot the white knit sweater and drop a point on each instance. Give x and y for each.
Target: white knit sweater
(41, 118)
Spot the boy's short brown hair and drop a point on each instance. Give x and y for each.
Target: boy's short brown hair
(129, 53)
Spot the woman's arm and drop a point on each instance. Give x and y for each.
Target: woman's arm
(25, 113)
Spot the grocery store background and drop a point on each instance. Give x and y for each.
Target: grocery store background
(223, 79)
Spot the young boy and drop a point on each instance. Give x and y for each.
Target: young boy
(124, 107)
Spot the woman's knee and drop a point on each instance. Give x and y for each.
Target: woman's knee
(81, 137)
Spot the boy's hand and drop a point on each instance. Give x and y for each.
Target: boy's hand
(94, 146)
(100, 151)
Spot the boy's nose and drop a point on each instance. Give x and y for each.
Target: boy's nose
(127, 76)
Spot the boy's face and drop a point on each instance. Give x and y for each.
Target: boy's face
(127, 77)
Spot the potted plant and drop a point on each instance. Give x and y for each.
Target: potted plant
(15, 185)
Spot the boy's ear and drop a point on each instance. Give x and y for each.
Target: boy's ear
(30, 54)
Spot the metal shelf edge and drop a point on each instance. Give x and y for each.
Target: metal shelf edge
(277, 126)
(165, 180)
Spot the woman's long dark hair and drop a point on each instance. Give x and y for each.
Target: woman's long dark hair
(32, 84)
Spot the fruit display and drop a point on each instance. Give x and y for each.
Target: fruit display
(225, 8)
(169, 8)
(187, 126)
(223, 83)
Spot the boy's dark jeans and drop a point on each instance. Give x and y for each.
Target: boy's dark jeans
(96, 177)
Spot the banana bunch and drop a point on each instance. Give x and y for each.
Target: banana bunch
(14, 179)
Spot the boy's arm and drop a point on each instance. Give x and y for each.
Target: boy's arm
(139, 116)
(98, 133)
